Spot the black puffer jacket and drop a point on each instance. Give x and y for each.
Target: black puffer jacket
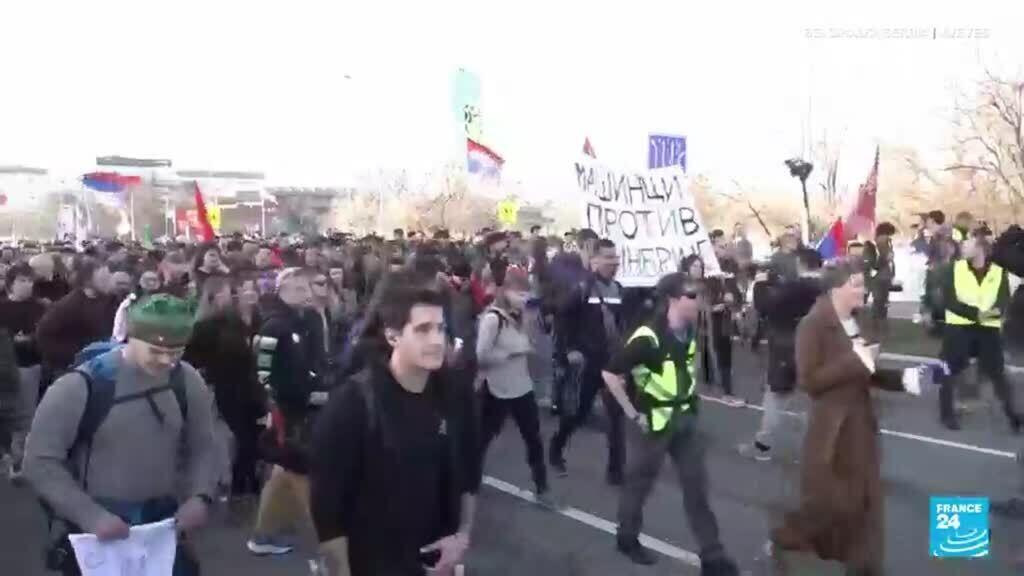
(286, 365)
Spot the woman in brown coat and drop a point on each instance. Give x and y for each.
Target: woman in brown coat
(840, 515)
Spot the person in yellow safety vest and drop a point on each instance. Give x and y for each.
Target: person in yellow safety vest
(977, 294)
(659, 356)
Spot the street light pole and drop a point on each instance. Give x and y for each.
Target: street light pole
(800, 168)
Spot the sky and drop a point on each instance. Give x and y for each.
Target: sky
(323, 93)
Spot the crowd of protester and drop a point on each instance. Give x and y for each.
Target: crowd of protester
(308, 348)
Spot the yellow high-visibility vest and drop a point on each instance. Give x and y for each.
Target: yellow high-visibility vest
(662, 388)
(982, 295)
(958, 236)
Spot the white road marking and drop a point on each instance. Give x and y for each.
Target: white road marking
(911, 359)
(896, 433)
(583, 517)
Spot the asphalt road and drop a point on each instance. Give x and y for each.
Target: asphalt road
(515, 537)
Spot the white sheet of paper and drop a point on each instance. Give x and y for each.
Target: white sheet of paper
(912, 380)
(865, 356)
(148, 551)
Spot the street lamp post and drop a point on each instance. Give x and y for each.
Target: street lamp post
(800, 168)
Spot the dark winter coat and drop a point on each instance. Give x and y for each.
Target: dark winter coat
(841, 506)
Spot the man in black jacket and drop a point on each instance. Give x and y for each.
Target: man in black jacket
(590, 323)
(786, 303)
(397, 468)
(285, 364)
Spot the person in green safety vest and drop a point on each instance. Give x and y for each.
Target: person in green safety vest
(977, 294)
(659, 358)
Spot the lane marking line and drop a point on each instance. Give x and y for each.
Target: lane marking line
(912, 359)
(598, 523)
(896, 433)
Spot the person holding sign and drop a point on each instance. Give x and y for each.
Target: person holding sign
(660, 356)
(842, 504)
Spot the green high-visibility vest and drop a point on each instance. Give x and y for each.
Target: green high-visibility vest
(662, 388)
(982, 295)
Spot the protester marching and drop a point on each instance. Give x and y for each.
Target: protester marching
(460, 375)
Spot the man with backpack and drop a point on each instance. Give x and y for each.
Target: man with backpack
(397, 469)
(126, 438)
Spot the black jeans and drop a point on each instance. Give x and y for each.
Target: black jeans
(527, 418)
(959, 344)
(590, 384)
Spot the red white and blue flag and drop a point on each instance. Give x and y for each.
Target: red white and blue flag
(833, 244)
(482, 160)
(110, 181)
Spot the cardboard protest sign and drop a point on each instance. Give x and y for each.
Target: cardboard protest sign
(650, 215)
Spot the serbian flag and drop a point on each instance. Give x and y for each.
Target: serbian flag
(833, 244)
(482, 160)
(205, 229)
(861, 219)
(110, 181)
(588, 149)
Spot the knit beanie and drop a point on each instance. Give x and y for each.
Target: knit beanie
(160, 319)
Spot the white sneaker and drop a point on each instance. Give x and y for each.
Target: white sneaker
(268, 547)
(750, 450)
(733, 401)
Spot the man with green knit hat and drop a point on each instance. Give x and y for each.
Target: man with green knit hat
(104, 452)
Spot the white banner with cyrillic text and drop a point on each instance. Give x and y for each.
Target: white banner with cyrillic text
(650, 215)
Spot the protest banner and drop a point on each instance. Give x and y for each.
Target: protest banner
(650, 215)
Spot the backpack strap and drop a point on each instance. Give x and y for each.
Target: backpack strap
(101, 386)
(501, 323)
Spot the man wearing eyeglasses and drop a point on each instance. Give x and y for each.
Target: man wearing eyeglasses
(659, 357)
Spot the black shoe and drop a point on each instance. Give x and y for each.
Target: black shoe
(1015, 424)
(635, 551)
(951, 423)
(718, 567)
(1012, 508)
(557, 464)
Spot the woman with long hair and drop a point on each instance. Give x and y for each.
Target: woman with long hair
(502, 348)
(220, 350)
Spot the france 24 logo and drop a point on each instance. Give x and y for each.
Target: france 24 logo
(959, 527)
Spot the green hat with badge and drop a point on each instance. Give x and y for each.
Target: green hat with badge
(161, 320)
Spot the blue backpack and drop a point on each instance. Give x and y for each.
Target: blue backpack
(97, 364)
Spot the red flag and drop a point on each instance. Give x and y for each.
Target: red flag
(862, 218)
(588, 149)
(205, 229)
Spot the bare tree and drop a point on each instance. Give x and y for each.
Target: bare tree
(989, 137)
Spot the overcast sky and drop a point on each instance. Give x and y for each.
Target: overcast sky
(318, 93)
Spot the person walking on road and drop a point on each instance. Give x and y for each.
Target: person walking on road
(660, 356)
(977, 296)
(591, 323)
(106, 447)
(285, 349)
(787, 304)
(503, 348)
(397, 467)
(841, 507)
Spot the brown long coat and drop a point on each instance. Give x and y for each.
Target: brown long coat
(841, 508)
